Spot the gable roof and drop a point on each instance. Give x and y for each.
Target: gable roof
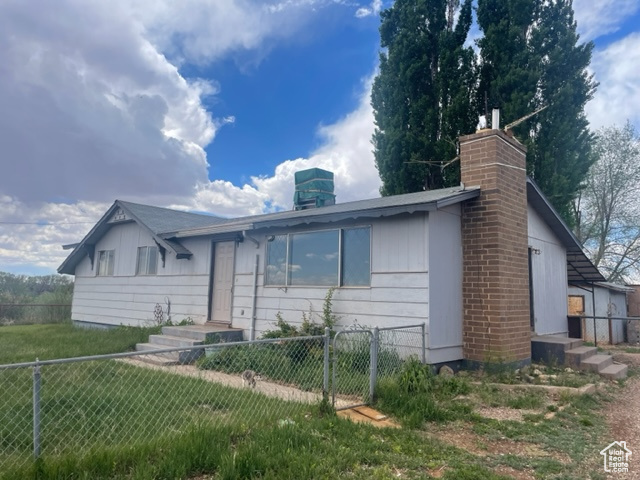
(164, 220)
(156, 221)
(580, 269)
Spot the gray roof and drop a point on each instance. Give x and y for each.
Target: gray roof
(372, 208)
(164, 220)
(159, 222)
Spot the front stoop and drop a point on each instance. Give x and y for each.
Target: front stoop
(571, 352)
(185, 336)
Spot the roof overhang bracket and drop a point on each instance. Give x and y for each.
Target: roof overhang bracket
(163, 252)
(91, 252)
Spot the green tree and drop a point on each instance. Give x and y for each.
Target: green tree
(423, 97)
(530, 57)
(608, 208)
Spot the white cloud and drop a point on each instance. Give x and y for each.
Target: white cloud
(618, 96)
(373, 9)
(32, 235)
(93, 104)
(346, 150)
(596, 18)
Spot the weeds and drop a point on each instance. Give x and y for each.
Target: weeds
(416, 395)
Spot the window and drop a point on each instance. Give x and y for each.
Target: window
(322, 258)
(147, 261)
(356, 257)
(313, 258)
(105, 262)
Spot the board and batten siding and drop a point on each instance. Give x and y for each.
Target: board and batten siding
(549, 273)
(445, 285)
(129, 299)
(398, 295)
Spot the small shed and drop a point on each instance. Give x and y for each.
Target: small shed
(598, 313)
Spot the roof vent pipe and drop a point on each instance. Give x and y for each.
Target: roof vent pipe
(495, 119)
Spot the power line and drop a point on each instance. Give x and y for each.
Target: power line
(45, 224)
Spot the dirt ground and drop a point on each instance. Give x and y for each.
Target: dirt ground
(623, 418)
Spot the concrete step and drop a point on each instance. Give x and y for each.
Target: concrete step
(185, 356)
(596, 363)
(171, 341)
(575, 356)
(617, 371)
(207, 334)
(551, 349)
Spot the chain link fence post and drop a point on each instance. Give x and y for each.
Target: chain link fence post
(325, 381)
(423, 329)
(373, 364)
(36, 410)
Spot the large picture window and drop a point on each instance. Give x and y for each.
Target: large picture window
(106, 259)
(323, 258)
(147, 261)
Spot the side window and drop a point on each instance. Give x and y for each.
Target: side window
(313, 258)
(106, 259)
(356, 257)
(321, 258)
(147, 263)
(276, 269)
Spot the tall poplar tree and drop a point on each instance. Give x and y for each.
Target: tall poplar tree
(423, 98)
(530, 57)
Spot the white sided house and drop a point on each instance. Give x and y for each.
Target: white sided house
(483, 265)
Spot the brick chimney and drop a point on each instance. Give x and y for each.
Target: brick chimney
(496, 326)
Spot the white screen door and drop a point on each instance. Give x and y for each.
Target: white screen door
(222, 282)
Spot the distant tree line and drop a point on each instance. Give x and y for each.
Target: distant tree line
(34, 290)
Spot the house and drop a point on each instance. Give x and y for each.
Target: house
(483, 264)
(609, 302)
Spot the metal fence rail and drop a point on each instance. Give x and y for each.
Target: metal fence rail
(608, 330)
(71, 408)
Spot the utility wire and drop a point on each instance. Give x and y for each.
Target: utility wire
(46, 224)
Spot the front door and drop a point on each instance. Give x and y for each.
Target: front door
(222, 281)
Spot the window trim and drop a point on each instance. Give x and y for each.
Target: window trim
(288, 235)
(147, 257)
(108, 254)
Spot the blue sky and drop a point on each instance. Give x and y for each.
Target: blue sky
(207, 106)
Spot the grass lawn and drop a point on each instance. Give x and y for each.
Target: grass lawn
(109, 419)
(23, 343)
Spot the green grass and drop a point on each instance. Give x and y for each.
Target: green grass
(311, 448)
(23, 343)
(109, 419)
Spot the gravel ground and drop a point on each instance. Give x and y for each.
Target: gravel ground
(623, 418)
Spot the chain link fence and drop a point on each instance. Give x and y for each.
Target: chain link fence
(78, 408)
(609, 330)
(362, 356)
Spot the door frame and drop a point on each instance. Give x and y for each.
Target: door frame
(212, 279)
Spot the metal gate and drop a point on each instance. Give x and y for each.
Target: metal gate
(353, 369)
(362, 356)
